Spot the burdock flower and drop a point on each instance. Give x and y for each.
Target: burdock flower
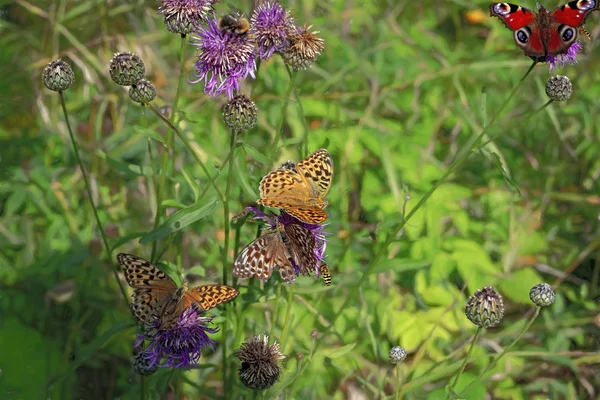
(559, 88)
(542, 295)
(270, 25)
(225, 58)
(182, 16)
(260, 363)
(240, 113)
(180, 346)
(485, 308)
(397, 355)
(570, 57)
(146, 89)
(303, 48)
(58, 75)
(126, 69)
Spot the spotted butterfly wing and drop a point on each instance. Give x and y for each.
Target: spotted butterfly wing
(547, 33)
(262, 256)
(300, 189)
(152, 287)
(300, 243)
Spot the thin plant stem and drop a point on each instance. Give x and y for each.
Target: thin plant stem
(507, 349)
(286, 101)
(226, 228)
(398, 381)
(529, 116)
(464, 364)
(304, 123)
(187, 144)
(88, 189)
(288, 313)
(455, 165)
(170, 148)
(144, 388)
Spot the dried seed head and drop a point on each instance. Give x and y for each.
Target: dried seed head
(397, 354)
(58, 75)
(260, 363)
(542, 295)
(146, 89)
(303, 48)
(240, 113)
(559, 88)
(485, 308)
(126, 69)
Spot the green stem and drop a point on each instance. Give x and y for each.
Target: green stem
(286, 101)
(304, 123)
(529, 116)
(187, 145)
(88, 188)
(144, 388)
(464, 364)
(276, 310)
(507, 349)
(288, 313)
(170, 147)
(399, 381)
(458, 163)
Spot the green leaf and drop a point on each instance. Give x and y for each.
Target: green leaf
(126, 239)
(149, 133)
(180, 220)
(338, 351)
(192, 184)
(128, 169)
(256, 155)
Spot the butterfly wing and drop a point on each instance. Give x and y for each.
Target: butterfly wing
(574, 13)
(283, 188)
(317, 171)
(300, 243)
(207, 296)
(308, 214)
(513, 16)
(151, 285)
(260, 258)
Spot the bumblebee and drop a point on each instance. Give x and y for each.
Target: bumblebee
(326, 274)
(234, 23)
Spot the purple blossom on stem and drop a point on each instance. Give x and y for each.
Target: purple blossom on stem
(270, 25)
(273, 220)
(180, 346)
(570, 57)
(181, 16)
(225, 58)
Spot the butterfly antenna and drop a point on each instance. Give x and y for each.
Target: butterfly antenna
(585, 32)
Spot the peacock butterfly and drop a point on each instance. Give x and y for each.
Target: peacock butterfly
(547, 33)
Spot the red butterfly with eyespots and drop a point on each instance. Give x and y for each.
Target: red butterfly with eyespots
(547, 33)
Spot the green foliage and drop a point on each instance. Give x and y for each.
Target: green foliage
(398, 97)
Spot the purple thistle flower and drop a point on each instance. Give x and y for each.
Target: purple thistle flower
(570, 57)
(180, 346)
(270, 25)
(273, 220)
(224, 59)
(182, 16)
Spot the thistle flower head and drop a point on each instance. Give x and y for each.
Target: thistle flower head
(570, 57)
(559, 88)
(273, 221)
(126, 69)
(542, 295)
(485, 308)
(240, 113)
(397, 355)
(224, 59)
(144, 88)
(260, 367)
(58, 75)
(178, 347)
(182, 16)
(270, 25)
(303, 48)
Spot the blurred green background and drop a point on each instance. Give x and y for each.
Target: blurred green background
(399, 92)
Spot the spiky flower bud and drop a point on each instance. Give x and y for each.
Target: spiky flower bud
(240, 113)
(58, 75)
(260, 363)
(303, 48)
(397, 355)
(559, 88)
(485, 308)
(142, 365)
(542, 295)
(146, 89)
(126, 69)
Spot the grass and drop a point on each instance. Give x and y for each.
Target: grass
(450, 176)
